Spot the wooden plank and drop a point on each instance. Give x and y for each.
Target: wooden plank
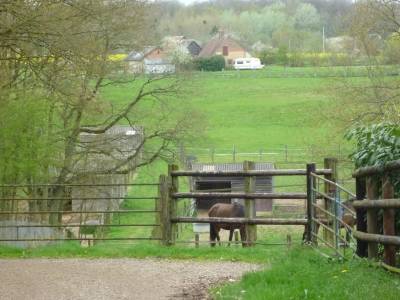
(389, 228)
(310, 209)
(258, 221)
(287, 172)
(386, 203)
(372, 216)
(173, 188)
(165, 218)
(250, 204)
(377, 170)
(377, 238)
(252, 195)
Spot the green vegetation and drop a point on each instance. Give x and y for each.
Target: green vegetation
(214, 63)
(252, 111)
(303, 274)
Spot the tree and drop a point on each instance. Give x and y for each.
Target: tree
(377, 99)
(55, 62)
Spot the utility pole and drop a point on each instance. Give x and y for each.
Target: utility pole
(323, 39)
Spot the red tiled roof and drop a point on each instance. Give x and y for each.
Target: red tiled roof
(217, 43)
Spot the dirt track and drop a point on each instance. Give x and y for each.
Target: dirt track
(113, 278)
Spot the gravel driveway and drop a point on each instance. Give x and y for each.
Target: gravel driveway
(113, 278)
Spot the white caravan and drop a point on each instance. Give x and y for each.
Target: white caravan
(249, 63)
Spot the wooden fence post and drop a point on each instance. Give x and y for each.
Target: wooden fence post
(362, 246)
(389, 256)
(173, 188)
(165, 217)
(250, 204)
(330, 190)
(372, 215)
(310, 228)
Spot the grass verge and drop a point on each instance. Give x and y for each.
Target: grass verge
(304, 274)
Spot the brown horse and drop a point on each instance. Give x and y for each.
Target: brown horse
(346, 217)
(225, 210)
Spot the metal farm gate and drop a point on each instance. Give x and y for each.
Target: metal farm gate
(37, 214)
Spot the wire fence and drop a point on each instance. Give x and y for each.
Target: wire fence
(42, 213)
(304, 72)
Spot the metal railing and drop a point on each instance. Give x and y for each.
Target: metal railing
(331, 214)
(73, 212)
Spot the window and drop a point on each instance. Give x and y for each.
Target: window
(239, 62)
(225, 51)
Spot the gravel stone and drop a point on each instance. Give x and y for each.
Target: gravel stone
(42, 279)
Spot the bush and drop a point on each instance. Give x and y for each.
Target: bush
(274, 56)
(392, 50)
(214, 63)
(267, 57)
(377, 145)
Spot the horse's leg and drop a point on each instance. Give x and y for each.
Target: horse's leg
(243, 236)
(218, 237)
(230, 236)
(213, 235)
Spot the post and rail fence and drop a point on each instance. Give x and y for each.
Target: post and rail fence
(375, 191)
(170, 195)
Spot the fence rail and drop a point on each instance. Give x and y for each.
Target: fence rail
(250, 173)
(232, 195)
(251, 221)
(369, 182)
(169, 191)
(32, 213)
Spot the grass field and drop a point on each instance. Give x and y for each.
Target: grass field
(253, 112)
(250, 111)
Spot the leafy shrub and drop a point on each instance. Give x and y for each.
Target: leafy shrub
(376, 145)
(267, 57)
(274, 56)
(282, 56)
(214, 63)
(304, 59)
(392, 50)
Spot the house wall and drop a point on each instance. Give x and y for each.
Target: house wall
(135, 67)
(233, 54)
(162, 68)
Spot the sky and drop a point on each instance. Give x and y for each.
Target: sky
(191, 1)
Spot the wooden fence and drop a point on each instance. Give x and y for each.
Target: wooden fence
(373, 183)
(170, 195)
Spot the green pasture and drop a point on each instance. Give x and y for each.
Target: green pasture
(283, 118)
(249, 111)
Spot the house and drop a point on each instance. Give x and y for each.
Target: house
(189, 46)
(224, 45)
(230, 184)
(152, 60)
